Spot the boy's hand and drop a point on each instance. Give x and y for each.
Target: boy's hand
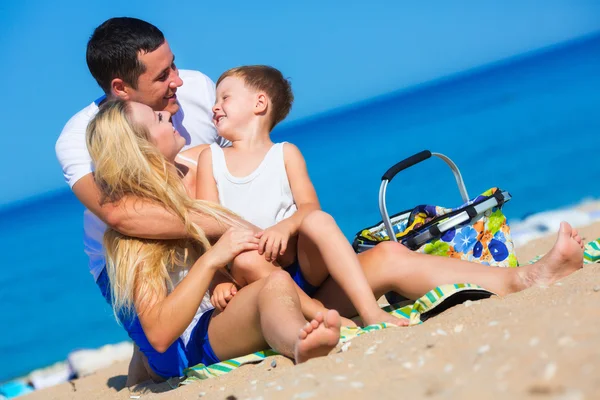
(233, 242)
(274, 241)
(222, 294)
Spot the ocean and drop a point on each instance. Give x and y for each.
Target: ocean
(529, 125)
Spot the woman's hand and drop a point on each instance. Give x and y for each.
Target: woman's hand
(274, 241)
(233, 242)
(222, 294)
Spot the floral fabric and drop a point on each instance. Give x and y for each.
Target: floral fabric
(485, 240)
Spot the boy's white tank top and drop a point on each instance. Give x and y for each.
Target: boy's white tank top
(264, 197)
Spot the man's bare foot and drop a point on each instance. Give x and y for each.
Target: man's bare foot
(318, 337)
(563, 259)
(381, 316)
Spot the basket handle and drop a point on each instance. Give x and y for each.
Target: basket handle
(407, 163)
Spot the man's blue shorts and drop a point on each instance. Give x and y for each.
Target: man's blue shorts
(178, 356)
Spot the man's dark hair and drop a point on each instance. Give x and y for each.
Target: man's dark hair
(113, 49)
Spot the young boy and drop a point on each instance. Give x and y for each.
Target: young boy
(268, 185)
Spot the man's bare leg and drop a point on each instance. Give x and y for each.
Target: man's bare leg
(391, 266)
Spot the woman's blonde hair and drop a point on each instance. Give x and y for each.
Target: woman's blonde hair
(128, 164)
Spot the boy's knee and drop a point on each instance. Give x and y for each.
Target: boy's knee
(250, 266)
(316, 220)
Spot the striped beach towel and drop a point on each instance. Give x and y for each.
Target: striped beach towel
(591, 252)
(432, 303)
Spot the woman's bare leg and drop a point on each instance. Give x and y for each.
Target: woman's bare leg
(391, 266)
(250, 267)
(268, 313)
(139, 371)
(323, 250)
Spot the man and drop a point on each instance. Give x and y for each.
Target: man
(130, 59)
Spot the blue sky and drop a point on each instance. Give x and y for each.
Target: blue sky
(336, 53)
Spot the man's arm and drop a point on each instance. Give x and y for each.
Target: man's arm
(139, 217)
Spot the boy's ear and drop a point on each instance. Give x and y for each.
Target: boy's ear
(120, 89)
(262, 103)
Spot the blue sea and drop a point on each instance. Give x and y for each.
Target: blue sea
(530, 125)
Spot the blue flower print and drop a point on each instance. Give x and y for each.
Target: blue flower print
(449, 235)
(478, 249)
(498, 250)
(465, 239)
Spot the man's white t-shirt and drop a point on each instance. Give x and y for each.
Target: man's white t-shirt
(193, 121)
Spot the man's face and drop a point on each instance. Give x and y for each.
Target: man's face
(157, 86)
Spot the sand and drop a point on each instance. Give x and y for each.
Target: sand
(542, 343)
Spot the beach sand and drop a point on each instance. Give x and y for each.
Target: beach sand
(542, 343)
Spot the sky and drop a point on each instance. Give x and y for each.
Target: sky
(336, 53)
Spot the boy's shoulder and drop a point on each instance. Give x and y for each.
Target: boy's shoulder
(205, 155)
(290, 148)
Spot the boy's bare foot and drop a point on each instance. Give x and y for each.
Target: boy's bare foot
(318, 337)
(382, 316)
(563, 259)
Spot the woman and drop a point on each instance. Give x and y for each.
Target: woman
(159, 287)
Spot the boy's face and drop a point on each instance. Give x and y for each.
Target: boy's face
(234, 108)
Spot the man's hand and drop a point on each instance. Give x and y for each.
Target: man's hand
(222, 294)
(274, 240)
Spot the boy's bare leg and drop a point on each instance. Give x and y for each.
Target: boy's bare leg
(323, 250)
(250, 267)
(391, 266)
(268, 312)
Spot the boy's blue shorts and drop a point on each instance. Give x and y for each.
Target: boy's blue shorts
(296, 273)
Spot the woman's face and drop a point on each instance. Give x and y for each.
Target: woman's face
(162, 133)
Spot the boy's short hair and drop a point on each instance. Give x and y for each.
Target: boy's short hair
(113, 49)
(271, 81)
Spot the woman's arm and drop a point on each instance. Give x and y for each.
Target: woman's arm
(164, 317)
(206, 187)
